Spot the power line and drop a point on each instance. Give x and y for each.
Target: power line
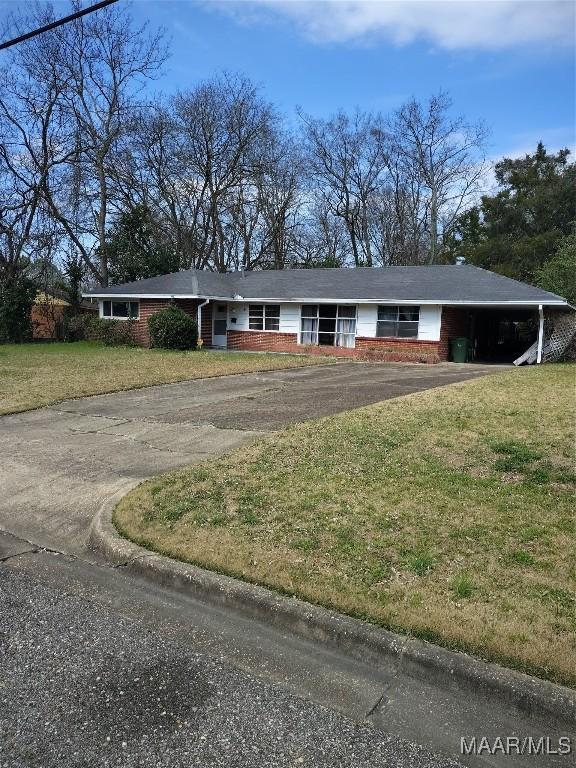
(57, 23)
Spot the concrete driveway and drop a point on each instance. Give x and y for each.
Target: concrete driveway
(60, 463)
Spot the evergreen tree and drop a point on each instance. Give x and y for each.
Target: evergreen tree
(516, 231)
(16, 299)
(135, 248)
(559, 273)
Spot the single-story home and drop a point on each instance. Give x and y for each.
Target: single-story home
(389, 313)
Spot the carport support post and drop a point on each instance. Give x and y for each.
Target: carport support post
(540, 333)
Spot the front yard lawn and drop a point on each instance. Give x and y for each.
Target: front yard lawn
(34, 375)
(447, 514)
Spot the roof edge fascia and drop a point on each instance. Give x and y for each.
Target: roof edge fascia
(308, 300)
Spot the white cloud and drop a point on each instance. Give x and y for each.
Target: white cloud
(449, 24)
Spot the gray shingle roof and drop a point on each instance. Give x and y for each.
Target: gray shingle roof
(433, 284)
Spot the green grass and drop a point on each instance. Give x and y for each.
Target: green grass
(447, 514)
(463, 586)
(35, 375)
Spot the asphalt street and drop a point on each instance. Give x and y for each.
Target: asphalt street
(99, 667)
(81, 686)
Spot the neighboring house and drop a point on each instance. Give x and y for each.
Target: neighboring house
(48, 313)
(389, 313)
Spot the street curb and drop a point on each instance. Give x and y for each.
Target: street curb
(362, 641)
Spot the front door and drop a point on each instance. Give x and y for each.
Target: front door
(219, 323)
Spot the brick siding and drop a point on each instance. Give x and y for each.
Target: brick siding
(206, 325)
(265, 341)
(151, 306)
(455, 322)
(366, 348)
(398, 350)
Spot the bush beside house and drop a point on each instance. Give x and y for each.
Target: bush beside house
(172, 328)
(112, 333)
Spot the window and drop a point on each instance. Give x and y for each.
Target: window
(400, 322)
(264, 317)
(121, 310)
(331, 325)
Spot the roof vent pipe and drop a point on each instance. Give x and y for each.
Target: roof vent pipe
(460, 260)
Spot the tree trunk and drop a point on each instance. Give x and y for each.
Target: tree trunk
(433, 226)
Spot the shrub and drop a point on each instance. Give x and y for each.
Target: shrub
(77, 327)
(112, 333)
(172, 328)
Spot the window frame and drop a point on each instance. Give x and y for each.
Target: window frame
(336, 317)
(413, 309)
(270, 313)
(112, 316)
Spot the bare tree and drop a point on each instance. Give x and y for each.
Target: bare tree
(279, 185)
(152, 171)
(31, 142)
(222, 123)
(346, 159)
(98, 64)
(321, 239)
(397, 215)
(443, 156)
(227, 187)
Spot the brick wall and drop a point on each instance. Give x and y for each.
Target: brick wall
(263, 341)
(47, 318)
(151, 306)
(206, 325)
(455, 322)
(396, 350)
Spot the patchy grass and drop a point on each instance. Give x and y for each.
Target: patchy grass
(463, 586)
(34, 375)
(447, 514)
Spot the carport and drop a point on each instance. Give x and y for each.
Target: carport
(502, 334)
(524, 334)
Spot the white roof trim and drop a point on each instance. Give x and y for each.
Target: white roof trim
(255, 299)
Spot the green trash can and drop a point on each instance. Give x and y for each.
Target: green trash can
(459, 349)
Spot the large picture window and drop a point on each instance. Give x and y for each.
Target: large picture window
(121, 310)
(264, 317)
(398, 322)
(331, 325)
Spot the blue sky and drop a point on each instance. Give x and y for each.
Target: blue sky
(509, 62)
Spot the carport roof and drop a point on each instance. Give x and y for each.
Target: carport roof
(446, 284)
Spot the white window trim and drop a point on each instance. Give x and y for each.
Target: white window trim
(405, 338)
(118, 300)
(336, 333)
(264, 305)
